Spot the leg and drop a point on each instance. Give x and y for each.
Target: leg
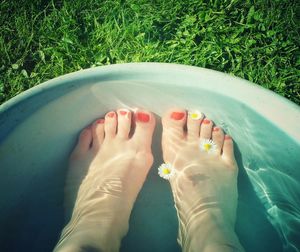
(116, 166)
(205, 184)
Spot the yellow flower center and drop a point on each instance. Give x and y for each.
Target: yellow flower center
(166, 171)
(194, 115)
(207, 146)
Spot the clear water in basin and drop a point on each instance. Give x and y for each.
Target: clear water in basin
(37, 135)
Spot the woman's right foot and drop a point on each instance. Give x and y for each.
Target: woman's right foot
(205, 183)
(115, 164)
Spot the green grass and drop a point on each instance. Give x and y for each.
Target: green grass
(255, 40)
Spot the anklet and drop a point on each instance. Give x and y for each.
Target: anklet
(166, 171)
(207, 145)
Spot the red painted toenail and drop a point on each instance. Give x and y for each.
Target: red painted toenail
(111, 114)
(177, 115)
(122, 112)
(206, 121)
(100, 121)
(143, 117)
(215, 129)
(227, 137)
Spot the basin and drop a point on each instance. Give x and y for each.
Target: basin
(39, 128)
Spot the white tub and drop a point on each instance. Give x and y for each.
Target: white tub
(39, 127)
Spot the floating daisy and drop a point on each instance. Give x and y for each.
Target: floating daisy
(208, 145)
(166, 171)
(195, 115)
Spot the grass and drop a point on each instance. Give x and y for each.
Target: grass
(255, 40)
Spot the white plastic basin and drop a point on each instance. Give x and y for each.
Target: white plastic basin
(39, 128)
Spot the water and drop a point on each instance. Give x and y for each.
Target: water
(35, 147)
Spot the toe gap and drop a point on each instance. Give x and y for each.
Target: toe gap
(132, 127)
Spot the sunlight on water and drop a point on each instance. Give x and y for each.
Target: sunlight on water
(279, 193)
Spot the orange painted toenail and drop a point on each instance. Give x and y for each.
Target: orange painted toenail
(100, 121)
(142, 117)
(177, 115)
(215, 129)
(206, 121)
(227, 137)
(111, 114)
(122, 112)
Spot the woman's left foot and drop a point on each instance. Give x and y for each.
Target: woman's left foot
(116, 165)
(205, 182)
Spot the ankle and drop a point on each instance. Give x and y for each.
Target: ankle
(209, 231)
(214, 241)
(106, 236)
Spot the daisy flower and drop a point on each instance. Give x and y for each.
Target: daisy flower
(195, 115)
(207, 145)
(166, 171)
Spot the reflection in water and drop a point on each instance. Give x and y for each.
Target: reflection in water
(281, 202)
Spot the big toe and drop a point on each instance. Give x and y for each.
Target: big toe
(173, 124)
(144, 128)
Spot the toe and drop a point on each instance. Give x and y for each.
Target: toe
(110, 126)
(206, 129)
(124, 123)
(98, 133)
(227, 151)
(83, 144)
(174, 122)
(193, 125)
(218, 138)
(145, 123)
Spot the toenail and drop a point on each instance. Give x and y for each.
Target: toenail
(206, 121)
(227, 137)
(111, 114)
(143, 117)
(123, 112)
(177, 115)
(100, 121)
(215, 129)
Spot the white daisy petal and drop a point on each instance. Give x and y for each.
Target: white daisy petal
(166, 171)
(207, 145)
(195, 115)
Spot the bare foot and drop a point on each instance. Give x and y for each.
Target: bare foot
(205, 183)
(116, 166)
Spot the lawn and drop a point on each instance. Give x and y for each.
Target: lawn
(255, 40)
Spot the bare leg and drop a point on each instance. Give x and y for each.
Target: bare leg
(205, 186)
(116, 166)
